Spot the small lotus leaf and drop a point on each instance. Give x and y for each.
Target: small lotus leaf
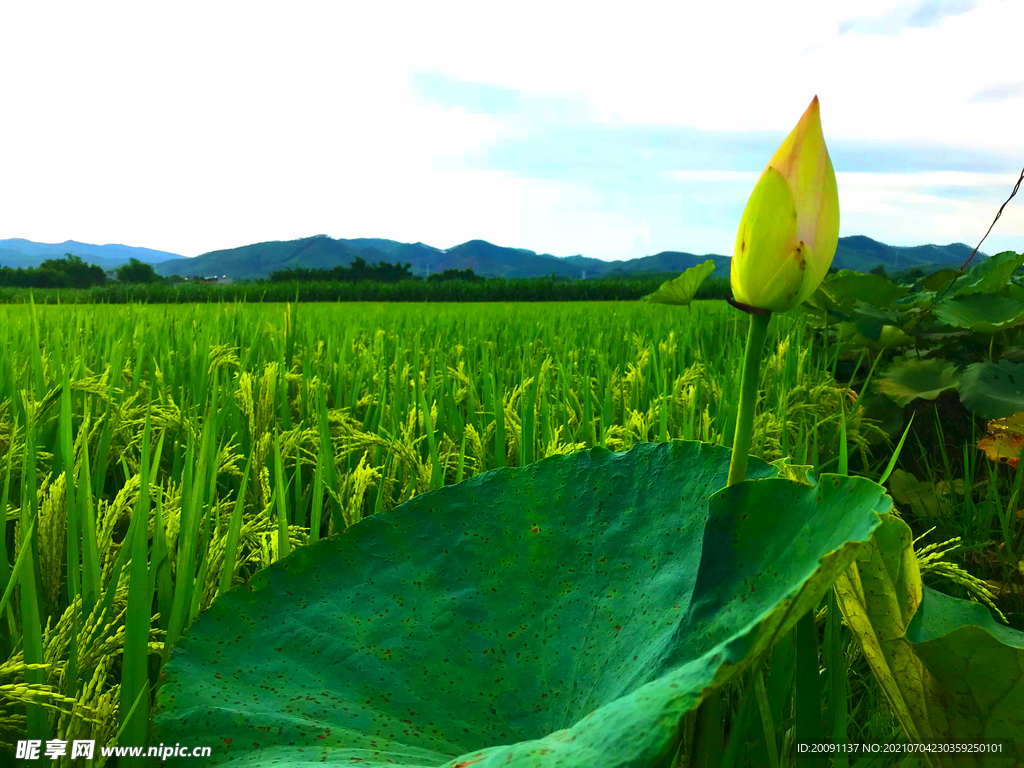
(993, 390)
(907, 379)
(682, 289)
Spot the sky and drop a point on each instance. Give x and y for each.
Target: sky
(564, 128)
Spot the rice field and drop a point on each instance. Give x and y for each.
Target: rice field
(154, 456)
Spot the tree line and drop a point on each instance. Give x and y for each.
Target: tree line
(72, 272)
(137, 280)
(360, 272)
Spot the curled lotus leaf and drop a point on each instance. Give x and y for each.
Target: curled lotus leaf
(990, 275)
(950, 672)
(980, 313)
(682, 289)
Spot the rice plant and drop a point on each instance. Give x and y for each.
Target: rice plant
(156, 456)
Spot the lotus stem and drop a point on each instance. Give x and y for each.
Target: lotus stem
(748, 396)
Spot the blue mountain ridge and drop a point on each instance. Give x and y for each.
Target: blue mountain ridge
(258, 260)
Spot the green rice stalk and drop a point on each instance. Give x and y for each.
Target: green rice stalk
(710, 731)
(188, 536)
(160, 568)
(808, 688)
(134, 668)
(235, 525)
(329, 462)
(283, 547)
(767, 721)
(318, 498)
(68, 461)
(91, 574)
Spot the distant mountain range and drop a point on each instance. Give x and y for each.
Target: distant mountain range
(256, 261)
(26, 253)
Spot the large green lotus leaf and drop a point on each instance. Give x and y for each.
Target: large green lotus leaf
(989, 276)
(1014, 291)
(821, 309)
(993, 390)
(819, 301)
(908, 378)
(914, 299)
(682, 289)
(950, 673)
(936, 281)
(568, 613)
(870, 321)
(848, 287)
(980, 312)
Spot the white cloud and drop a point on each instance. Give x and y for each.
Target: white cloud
(197, 126)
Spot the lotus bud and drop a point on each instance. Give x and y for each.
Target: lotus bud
(790, 227)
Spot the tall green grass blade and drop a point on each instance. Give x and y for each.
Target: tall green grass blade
(160, 567)
(835, 665)
(91, 575)
(37, 725)
(896, 454)
(235, 526)
(742, 735)
(665, 393)
(710, 731)
(318, 498)
(188, 535)
(377, 504)
(767, 722)
(329, 464)
(500, 452)
(527, 425)
(436, 474)
(197, 593)
(299, 513)
(135, 664)
(462, 461)
(36, 355)
(8, 635)
(115, 578)
(607, 418)
(808, 689)
(68, 461)
(128, 719)
(545, 421)
(5, 566)
(103, 454)
(20, 567)
(283, 547)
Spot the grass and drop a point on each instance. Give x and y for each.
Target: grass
(156, 455)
